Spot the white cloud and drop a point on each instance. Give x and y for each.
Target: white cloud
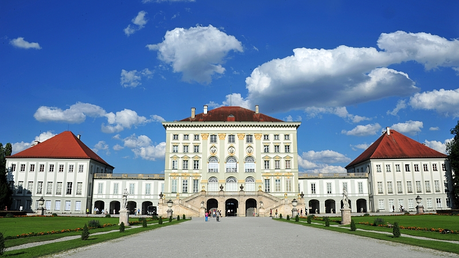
(101, 145)
(362, 146)
(133, 78)
(339, 111)
(139, 22)
(445, 102)
(436, 128)
(327, 169)
(197, 52)
(326, 156)
(123, 119)
(345, 75)
(117, 147)
(409, 127)
(76, 114)
(236, 99)
(21, 43)
(20, 146)
(363, 130)
(438, 146)
(401, 104)
(142, 147)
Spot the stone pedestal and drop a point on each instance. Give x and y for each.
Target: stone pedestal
(419, 209)
(345, 216)
(294, 212)
(124, 217)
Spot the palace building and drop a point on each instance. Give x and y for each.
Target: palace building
(232, 159)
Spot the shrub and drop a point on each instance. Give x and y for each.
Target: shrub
(9, 215)
(2, 244)
(94, 224)
(379, 221)
(144, 223)
(184, 217)
(396, 230)
(407, 213)
(288, 217)
(353, 227)
(122, 227)
(54, 215)
(178, 217)
(297, 218)
(154, 217)
(108, 216)
(366, 214)
(170, 218)
(85, 233)
(160, 220)
(280, 216)
(309, 219)
(327, 222)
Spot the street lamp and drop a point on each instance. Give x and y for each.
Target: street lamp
(419, 208)
(41, 201)
(294, 209)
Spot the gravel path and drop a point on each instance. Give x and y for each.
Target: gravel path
(247, 237)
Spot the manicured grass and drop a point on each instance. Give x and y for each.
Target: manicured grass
(450, 222)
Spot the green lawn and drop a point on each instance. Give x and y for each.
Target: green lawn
(450, 222)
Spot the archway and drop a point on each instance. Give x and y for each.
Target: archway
(132, 207)
(330, 206)
(250, 207)
(145, 206)
(314, 207)
(231, 207)
(212, 204)
(361, 205)
(114, 207)
(99, 206)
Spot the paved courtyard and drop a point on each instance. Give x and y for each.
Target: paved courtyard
(247, 237)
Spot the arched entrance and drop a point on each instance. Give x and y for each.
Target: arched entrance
(314, 207)
(114, 207)
(330, 206)
(145, 206)
(231, 207)
(132, 207)
(212, 204)
(99, 206)
(361, 205)
(250, 207)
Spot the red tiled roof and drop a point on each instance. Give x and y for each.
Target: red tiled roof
(232, 113)
(396, 146)
(62, 146)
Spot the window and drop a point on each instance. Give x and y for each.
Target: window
(131, 188)
(249, 164)
(42, 168)
(407, 168)
(174, 164)
(185, 148)
(287, 164)
(381, 204)
(195, 164)
(22, 167)
(276, 137)
(57, 205)
(115, 188)
(429, 203)
(277, 185)
(378, 168)
(70, 168)
(287, 148)
(399, 187)
(68, 204)
(276, 148)
(266, 148)
(437, 185)
(266, 137)
(427, 184)
(286, 136)
(249, 138)
(389, 187)
(80, 168)
(213, 184)
(61, 168)
(49, 187)
(13, 168)
(416, 168)
(196, 137)
(79, 190)
(77, 205)
(434, 167)
(231, 165)
(213, 165)
(175, 137)
(409, 187)
(418, 187)
(69, 188)
(387, 168)
(185, 165)
(185, 186)
(51, 168)
(288, 184)
(20, 186)
(186, 137)
(438, 201)
(329, 188)
(174, 185)
(360, 186)
(266, 164)
(397, 167)
(196, 148)
(313, 188)
(213, 138)
(277, 164)
(59, 188)
(32, 167)
(267, 185)
(40, 187)
(380, 188)
(174, 148)
(425, 166)
(195, 185)
(443, 167)
(231, 184)
(29, 187)
(410, 203)
(231, 138)
(100, 189)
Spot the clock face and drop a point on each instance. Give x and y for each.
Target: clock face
(231, 150)
(249, 149)
(213, 149)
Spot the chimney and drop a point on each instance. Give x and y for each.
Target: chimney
(205, 109)
(193, 113)
(256, 109)
(388, 130)
(79, 136)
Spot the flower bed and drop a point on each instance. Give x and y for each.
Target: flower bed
(54, 232)
(440, 230)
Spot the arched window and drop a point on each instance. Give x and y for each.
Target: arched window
(231, 165)
(231, 184)
(212, 185)
(250, 184)
(213, 165)
(249, 165)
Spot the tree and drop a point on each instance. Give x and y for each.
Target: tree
(452, 148)
(396, 230)
(5, 190)
(85, 233)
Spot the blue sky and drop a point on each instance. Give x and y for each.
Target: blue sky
(112, 71)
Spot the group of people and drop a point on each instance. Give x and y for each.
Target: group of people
(215, 214)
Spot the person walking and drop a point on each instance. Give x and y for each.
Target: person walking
(207, 216)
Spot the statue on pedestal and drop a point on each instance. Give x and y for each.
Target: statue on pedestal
(345, 200)
(125, 195)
